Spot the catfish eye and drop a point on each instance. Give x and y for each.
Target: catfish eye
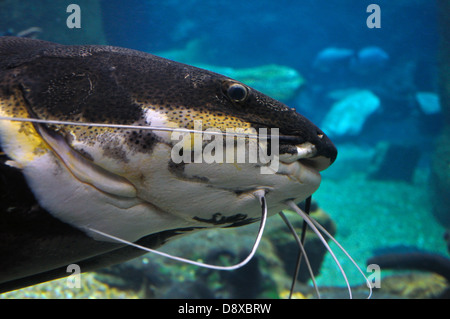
(237, 92)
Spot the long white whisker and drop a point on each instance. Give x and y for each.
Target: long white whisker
(260, 195)
(308, 264)
(124, 126)
(305, 217)
(346, 253)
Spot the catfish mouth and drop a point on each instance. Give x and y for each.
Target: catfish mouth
(318, 154)
(301, 140)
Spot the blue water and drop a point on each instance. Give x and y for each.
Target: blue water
(371, 213)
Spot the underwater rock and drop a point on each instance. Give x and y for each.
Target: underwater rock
(330, 59)
(347, 116)
(394, 162)
(428, 102)
(245, 282)
(91, 288)
(277, 81)
(287, 248)
(140, 275)
(369, 59)
(413, 286)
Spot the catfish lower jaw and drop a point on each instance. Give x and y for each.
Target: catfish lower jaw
(304, 174)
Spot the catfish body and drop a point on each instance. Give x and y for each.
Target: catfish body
(124, 181)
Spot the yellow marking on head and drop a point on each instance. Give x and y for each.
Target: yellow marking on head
(219, 122)
(19, 140)
(184, 117)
